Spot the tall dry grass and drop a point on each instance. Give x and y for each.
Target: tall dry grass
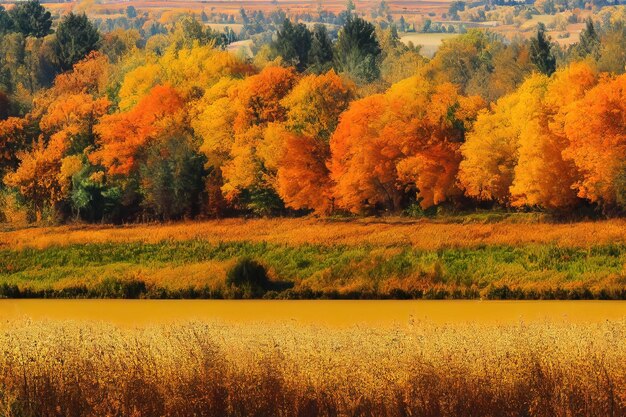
(89, 369)
(421, 234)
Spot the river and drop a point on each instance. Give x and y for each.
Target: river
(318, 312)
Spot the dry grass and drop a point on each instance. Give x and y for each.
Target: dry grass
(267, 6)
(422, 234)
(89, 369)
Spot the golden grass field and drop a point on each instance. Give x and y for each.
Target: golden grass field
(72, 368)
(399, 7)
(386, 232)
(430, 42)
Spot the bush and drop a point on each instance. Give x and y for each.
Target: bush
(12, 211)
(117, 288)
(248, 277)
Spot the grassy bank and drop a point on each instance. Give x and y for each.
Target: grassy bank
(427, 234)
(198, 269)
(540, 369)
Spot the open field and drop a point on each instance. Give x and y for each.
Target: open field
(430, 42)
(307, 258)
(532, 23)
(397, 7)
(74, 368)
(221, 26)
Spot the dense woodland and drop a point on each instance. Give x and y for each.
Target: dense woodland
(164, 123)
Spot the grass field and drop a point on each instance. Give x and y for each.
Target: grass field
(307, 258)
(430, 42)
(79, 369)
(236, 27)
(233, 6)
(531, 24)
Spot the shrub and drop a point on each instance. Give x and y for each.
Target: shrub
(249, 277)
(117, 288)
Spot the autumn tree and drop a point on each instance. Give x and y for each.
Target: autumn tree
(13, 139)
(213, 120)
(404, 142)
(543, 177)
(314, 107)
(122, 135)
(490, 151)
(259, 97)
(596, 129)
(514, 153)
(37, 178)
(65, 116)
(258, 103)
(190, 70)
(315, 104)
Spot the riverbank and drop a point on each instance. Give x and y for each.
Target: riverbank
(319, 259)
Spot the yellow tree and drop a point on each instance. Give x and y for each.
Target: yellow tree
(543, 177)
(213, 118)
(191, 71)
(37, 177)
(13, 138)
(257, 102)
(66, 115)
(491, 150)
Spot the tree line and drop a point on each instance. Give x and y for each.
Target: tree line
(361, 124)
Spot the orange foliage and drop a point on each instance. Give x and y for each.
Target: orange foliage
(259, 97)
(362, 161)
(596, 129)
(73, 114)
(122, 135)
(12, 136)
(406, 139)
(303, 178)
(257, 102)
(314, 107)
(37, 176)
(90, 75)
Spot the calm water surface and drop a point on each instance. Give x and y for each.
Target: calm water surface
(333, 313)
